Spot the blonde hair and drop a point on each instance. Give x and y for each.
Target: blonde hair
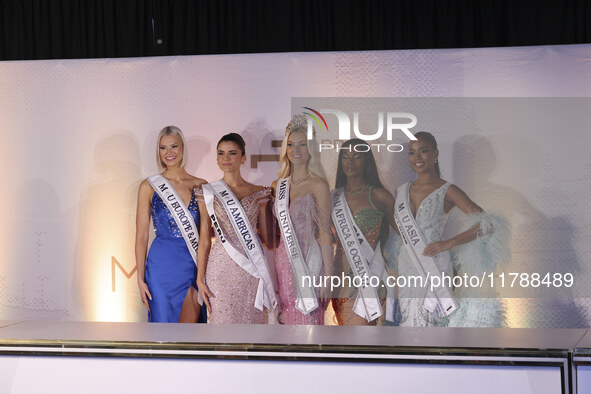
(170, 130)
(299, 124)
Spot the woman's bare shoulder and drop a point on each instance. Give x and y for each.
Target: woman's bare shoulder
(145, 187)
(196, 181)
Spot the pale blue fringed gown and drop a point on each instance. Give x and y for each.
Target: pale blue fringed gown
(483, 255)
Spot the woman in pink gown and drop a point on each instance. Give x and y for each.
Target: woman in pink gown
(228, 290)
(309, 211)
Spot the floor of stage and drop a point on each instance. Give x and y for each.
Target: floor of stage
(542, 360)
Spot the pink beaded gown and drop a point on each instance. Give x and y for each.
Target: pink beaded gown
(234, 290)
(306, 220)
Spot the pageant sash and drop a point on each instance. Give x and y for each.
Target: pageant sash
(377, 267)
(254, 263)
(358, 252)
(180, 213)
(441, 298)
(306, 301)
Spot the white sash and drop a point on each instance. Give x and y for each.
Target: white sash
(441, 298)
(358, 252)
(255, 264)
(306, 301)
(180, 213)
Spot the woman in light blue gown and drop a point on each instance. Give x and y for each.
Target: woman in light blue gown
(480, 248)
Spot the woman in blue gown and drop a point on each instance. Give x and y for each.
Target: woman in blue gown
(166, 278)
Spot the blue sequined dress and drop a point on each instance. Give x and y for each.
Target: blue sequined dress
(170, 269)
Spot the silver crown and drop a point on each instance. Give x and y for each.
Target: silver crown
(299, 121)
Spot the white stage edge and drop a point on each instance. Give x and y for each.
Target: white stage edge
(118, 357)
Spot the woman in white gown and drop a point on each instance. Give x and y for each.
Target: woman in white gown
(480, 248)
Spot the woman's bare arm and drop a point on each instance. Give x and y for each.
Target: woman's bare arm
(142, 231)
(203, 253)
(456, 197)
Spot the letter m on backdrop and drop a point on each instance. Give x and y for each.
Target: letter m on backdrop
(115, 264)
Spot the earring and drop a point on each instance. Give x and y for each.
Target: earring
(436, 161)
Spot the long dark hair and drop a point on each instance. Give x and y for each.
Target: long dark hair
(430, 139)
(235, 138)
(370, 171)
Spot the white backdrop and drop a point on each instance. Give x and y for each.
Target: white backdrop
(79, 135)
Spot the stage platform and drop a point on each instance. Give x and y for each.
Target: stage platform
(93, 357)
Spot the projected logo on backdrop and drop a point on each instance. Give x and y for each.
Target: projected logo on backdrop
(318, 115)
(394, 121)
(115, 264)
